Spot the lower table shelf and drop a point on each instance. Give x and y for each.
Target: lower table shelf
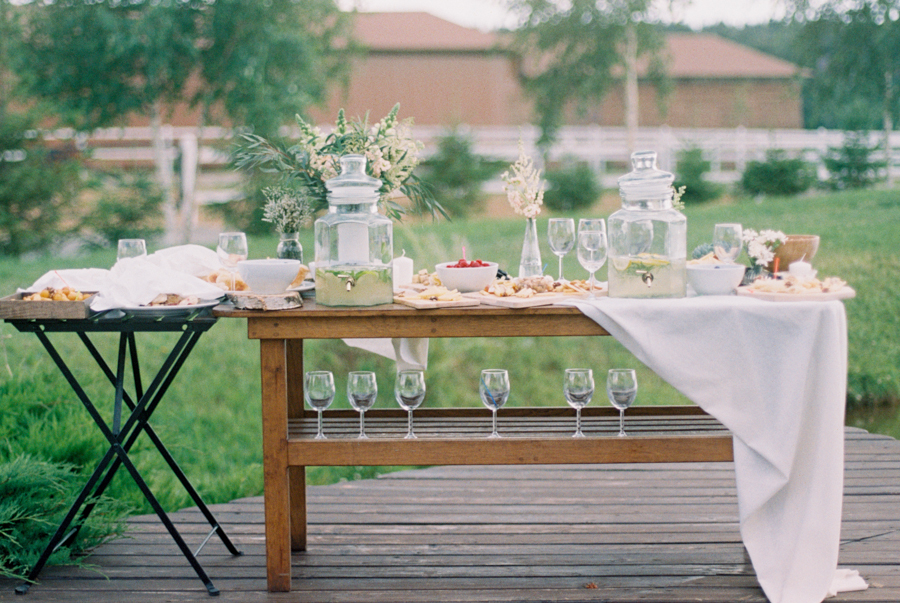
(458, 436)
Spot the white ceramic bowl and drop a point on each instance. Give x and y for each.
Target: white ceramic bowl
(268, 277)
(466, 280)
(715, 279)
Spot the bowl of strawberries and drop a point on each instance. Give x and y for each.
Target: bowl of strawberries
(466, 275)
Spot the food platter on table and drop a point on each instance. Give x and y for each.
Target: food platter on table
(161, 310)
(790, 288)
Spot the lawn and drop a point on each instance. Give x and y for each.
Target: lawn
(210, 417)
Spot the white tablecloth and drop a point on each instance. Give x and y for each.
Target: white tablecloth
(775, 374)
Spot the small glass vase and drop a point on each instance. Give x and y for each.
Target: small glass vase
(289, 247)
(530, 264)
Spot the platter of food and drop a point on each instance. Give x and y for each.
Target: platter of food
(185, 306)
(306, 287)
(793, 289)
(62, 304)
(435, 296)
(535, 291)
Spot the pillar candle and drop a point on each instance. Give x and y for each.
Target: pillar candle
(402, 271)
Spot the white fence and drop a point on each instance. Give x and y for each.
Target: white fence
(605, 149)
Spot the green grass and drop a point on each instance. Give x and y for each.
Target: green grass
(210, 417)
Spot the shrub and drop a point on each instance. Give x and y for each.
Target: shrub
(456, 174)
(571, 186)
(690, 172)
(38, 187)
(128, 207)
(777, 175)
(851, 165)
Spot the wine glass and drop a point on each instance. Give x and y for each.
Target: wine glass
(131, 248)
(592, 251)
(318, 389)
(409, 390)
(727, 242)
(579, 389)
(561, 235)
(621, 388)
(231, 250)
(362, 389)
(494, 390)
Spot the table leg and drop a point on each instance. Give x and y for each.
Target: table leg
(295, 410)
(273, 368)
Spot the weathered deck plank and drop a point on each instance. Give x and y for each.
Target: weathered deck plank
(470, 534)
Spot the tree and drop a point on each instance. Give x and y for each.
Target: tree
(577, 50)
(852, 48)
(103, 60)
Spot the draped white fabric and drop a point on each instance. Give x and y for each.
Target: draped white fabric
(775, 374)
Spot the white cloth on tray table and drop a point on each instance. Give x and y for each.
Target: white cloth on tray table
(775, 374)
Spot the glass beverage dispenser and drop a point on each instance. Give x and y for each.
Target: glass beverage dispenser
(354, 243)
(648, 236)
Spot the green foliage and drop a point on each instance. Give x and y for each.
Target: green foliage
(690, 172)
(574, 52)
(573, 186)
(851, 165)
(777, 175)
(34, 497)
(456, 174)
(127, 207)
(38, 187)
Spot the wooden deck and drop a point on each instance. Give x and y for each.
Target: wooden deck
(615, 533)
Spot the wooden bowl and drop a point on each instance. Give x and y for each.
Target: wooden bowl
(796, 247)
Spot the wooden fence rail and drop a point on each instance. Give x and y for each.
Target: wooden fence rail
(605, 149)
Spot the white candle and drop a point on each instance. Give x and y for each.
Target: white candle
(801, 269)
(402, 271)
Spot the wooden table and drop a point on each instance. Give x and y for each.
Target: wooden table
(446, 436)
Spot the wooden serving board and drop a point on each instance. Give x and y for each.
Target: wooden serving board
(14, 307)
(540, 299)
(427, 304)
(244, 300)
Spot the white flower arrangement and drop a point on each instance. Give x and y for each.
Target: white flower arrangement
(288, 209)
(523, 185)
(761, 245)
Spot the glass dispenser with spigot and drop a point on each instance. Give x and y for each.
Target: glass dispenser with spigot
(354, 243)
(648, 236)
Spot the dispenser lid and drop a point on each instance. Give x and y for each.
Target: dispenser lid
(645, 181)
(353, 185)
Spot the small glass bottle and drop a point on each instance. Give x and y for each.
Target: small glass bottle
(354, 243)
(648, 236)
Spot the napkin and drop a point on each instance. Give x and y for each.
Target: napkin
(409, 353)
(775, 375)
(136, 281)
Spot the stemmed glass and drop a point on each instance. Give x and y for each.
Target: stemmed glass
(409, 390)
(579, 389)
(728, 242)
(131, 248)
(621, 388)
(561, 235)
(318, 389)
(592, 248)
(231, 250)
(362, 389)
(494, 390)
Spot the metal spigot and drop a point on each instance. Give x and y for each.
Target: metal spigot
(647, 277)
(351, 282)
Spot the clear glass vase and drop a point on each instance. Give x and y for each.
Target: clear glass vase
(289, 247)
(530, 264)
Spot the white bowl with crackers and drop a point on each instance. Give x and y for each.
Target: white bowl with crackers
(468, 279)
(715, 279)
(268, 277)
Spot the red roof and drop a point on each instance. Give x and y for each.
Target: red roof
(691, 55)
(418, 31)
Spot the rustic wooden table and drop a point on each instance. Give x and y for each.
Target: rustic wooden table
(446, 436)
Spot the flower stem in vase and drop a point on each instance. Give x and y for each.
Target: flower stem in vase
(289, 247)
(530, 264)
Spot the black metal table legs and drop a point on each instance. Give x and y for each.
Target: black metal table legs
(121, 436)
